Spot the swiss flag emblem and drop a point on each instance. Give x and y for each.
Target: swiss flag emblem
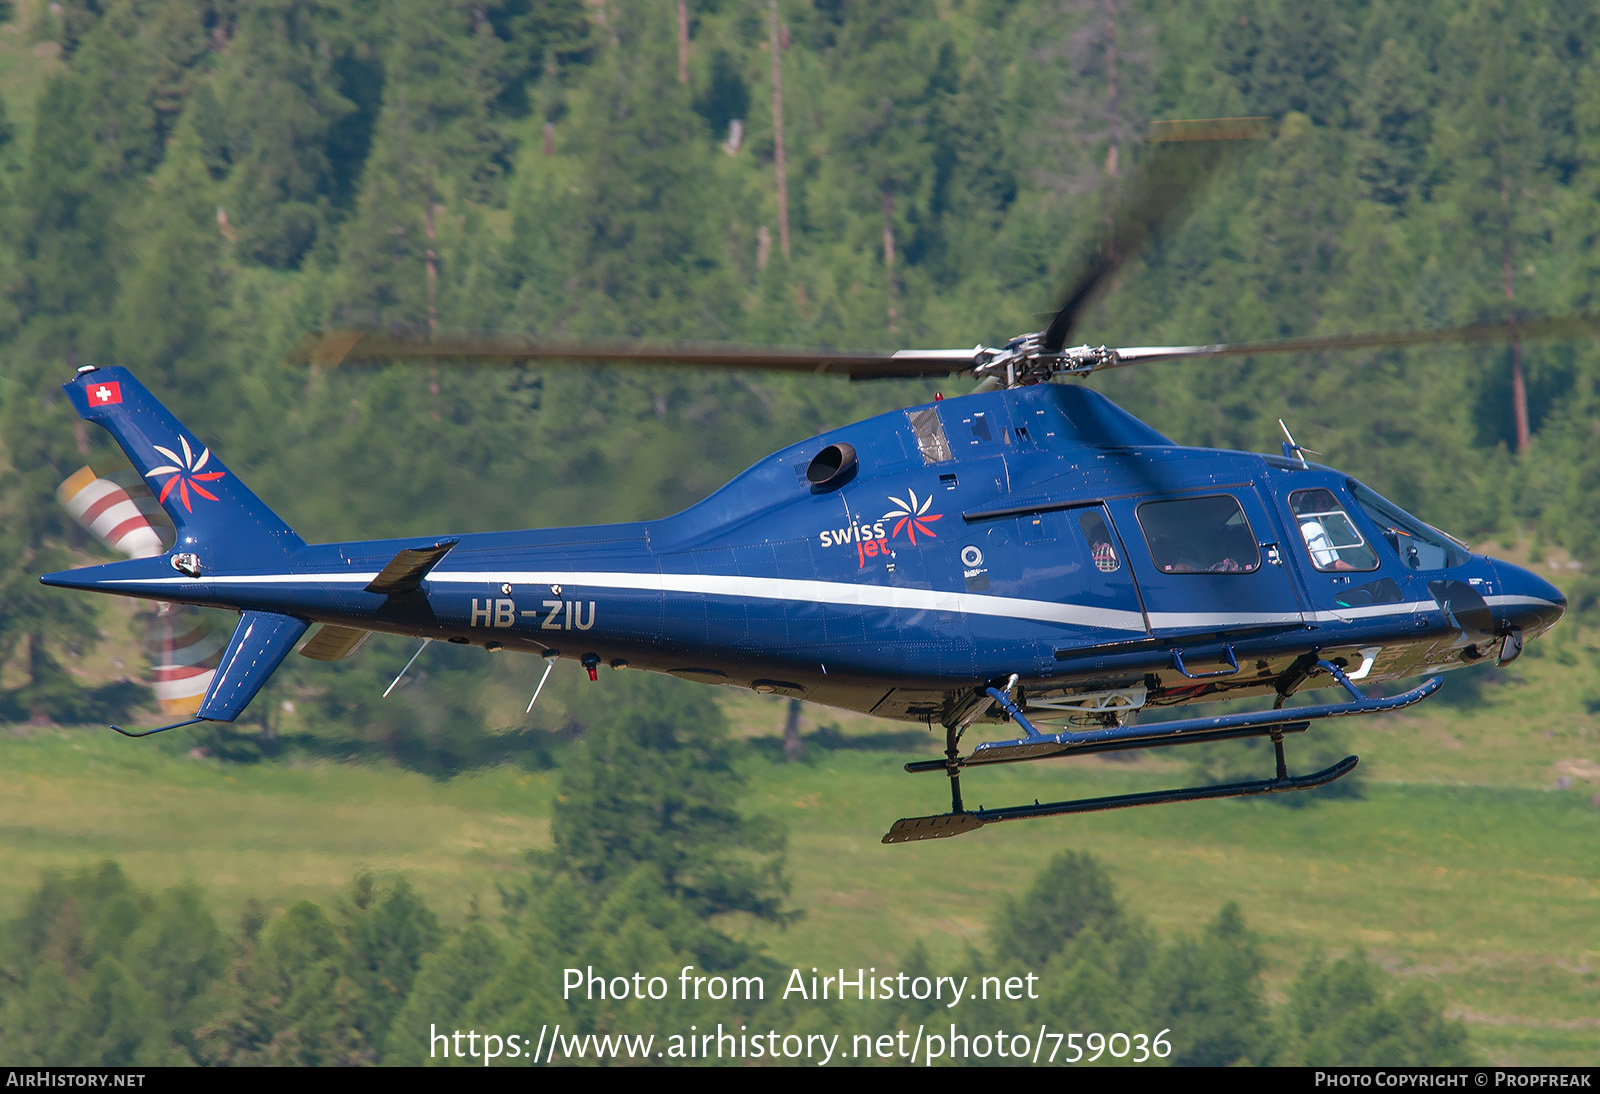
(104, 394)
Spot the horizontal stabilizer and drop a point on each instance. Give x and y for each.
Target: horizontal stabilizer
(332, 643)
(259, 644)
(405, 571)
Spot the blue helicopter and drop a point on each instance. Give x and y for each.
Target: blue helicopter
(1031, 554)
(1028, 554)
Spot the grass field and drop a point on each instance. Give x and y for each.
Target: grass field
(1473, 863)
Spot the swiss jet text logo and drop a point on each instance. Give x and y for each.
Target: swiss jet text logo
(870, 539)
(187, 477)
(105, 394)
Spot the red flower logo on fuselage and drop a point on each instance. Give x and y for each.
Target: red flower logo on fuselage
(914, 516)
(187, 477)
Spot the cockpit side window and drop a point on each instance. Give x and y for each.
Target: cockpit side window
(1419, 546)
(1208, 535)
(1330, 535)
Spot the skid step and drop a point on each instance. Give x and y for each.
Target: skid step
(942, 826)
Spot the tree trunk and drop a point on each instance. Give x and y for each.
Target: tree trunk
(1113, 123)
(777, 130)
(683, 41)
(433, 293)
(38, 661)
(888, 252)
(432, 263)
(1519, 388)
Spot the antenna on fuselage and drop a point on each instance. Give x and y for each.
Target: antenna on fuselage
(549, 663)
(1292, 450)
(407, 669)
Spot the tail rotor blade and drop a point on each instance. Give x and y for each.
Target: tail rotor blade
(109, 512)
(184, 652)
(120, 512)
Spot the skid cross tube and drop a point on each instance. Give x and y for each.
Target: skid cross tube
(1263, 723)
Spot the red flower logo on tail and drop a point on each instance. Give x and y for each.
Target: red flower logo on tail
(186, 477)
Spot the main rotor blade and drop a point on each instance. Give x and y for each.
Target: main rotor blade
(1494, 330)
(1184, 155)
(351, 347)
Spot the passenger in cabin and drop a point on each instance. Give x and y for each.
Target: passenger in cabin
(1331, 538)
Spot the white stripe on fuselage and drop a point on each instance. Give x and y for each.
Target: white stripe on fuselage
(848, 594)
(757, 588)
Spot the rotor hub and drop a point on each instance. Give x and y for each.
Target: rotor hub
(1025, 360)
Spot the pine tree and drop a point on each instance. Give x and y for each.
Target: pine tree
(445, 984)
(283, 106)
(168, 308)
(388, 935)
(1392, 116)
(645, 251)
(1300, 65)
(291, 1000)
(434, 140)
(879, 132)
(1349, 1013)
(1071, 894)
(654, 782)
(1209, 987)
(105, 975)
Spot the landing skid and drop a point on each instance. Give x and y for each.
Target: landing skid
(1039, 746)
(945, 825)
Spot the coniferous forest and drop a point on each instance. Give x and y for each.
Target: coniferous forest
(189, 187)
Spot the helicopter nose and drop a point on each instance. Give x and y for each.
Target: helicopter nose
(1527, 601)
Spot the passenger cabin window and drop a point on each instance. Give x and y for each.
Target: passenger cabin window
(1420, 546)
(1102, 548)
(1330, 535)
(1208, 535)
(931, 441)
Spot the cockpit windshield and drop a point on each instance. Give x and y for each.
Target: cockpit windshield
(1418, 545)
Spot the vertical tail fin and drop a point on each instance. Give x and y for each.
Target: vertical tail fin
(216, 515)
